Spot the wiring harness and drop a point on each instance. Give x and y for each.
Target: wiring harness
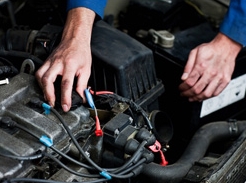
(140, 150)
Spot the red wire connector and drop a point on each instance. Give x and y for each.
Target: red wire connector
(90, 101)
(157, 148)
(98, 130)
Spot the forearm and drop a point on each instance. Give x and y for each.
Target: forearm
(225, 43)
(79, 25)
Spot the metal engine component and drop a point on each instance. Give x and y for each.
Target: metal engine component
(15, 103)
(162, 37)
(39, 143)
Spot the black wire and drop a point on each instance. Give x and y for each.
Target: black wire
(52, 157)
(71, 159)
(6, 61)
(133, 157)
(113, 174)
(75, 141)
(85, 155)
(140, 162)
(23, 158)
(53, 148)
(69, 169)
(132, 104)
(47, 181)
(79, 163)
(26, 130)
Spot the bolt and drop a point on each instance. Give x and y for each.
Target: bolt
(5, 81)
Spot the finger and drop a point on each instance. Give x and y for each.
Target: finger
(190, 82)
(189, 65)
(66, 88)
(47, 83)
(198, 87)
(41, 71)
(221, 87)
(82, 84)
(48, 88)
(208, 92)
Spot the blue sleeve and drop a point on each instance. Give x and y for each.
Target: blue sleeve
(234, 23)
(96, 5)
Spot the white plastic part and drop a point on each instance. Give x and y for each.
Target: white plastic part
(5, 81)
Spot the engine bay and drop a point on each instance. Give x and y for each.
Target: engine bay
(134, 127)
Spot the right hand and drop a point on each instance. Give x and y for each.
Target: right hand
(72, 58)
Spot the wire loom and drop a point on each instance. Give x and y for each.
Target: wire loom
(130, 169)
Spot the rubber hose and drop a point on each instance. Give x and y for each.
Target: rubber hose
(10, 10)
(196, 149)
(8, 71)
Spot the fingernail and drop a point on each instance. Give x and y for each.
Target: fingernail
(65, 107)
(52, 104)
(184, 76)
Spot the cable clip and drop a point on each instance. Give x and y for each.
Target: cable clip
(157, 148)
(46, 140)
(106, 175)
(89, 98)
(46, 108)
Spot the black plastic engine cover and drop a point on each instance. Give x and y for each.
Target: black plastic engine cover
(124, 66)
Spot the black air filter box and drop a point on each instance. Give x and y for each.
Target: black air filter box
(124, 66)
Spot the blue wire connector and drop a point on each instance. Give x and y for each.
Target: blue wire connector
(89, 98)
(105, 175)
(46, 108)
(46, 140)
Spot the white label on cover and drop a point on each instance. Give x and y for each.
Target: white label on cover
(234, 92)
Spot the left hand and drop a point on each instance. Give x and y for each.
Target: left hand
(209, 68)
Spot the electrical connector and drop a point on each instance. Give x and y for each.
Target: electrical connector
(98, 130)
(89, 98)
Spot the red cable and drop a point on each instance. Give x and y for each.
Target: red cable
(101, 92)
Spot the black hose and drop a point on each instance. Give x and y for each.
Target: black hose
(8, 71)
(196, 149)
(21, 55)
(11, 11)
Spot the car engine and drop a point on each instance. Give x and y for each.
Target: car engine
(134, 127)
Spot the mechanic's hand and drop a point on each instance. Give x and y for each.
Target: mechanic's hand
(209, 68)
(71, 58)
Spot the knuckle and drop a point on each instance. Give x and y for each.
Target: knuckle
(193, 51)
(215, 94)
(65, 83)
(189, 83)
(196, 91)
(206, 95)
(226, 79)
(203, 65)
(214, 73)
(38, 74)
(44, 80)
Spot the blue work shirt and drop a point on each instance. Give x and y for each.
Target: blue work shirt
(234, 23)
(96, 5)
